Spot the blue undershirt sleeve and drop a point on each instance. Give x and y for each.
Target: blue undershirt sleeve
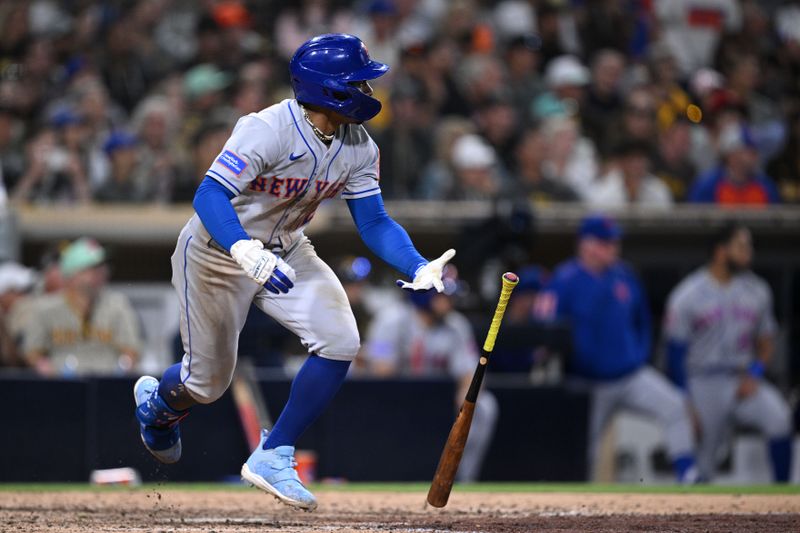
(676, 362)
(386, 238)
(212, 201)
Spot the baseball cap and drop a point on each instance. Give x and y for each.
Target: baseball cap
(204, 79)
(15, 277)
(81, 254)
(600, 227)
(470, 151)
(117, 140)
(566, 70)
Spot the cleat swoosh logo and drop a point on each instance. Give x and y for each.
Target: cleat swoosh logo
(293, 157)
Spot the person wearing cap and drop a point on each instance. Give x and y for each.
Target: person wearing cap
(566, 79)
(130, 181)
(475, 163)
(16, 282)
(603, 302)
(738, 179)
(56, 167)
(629, 180)
(423, 335)
(86, 328)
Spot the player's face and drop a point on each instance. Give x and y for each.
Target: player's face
(740, 251)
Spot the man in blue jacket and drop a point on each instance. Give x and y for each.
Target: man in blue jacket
(605, 305)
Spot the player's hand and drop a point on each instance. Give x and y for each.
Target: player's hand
(430, 275)
(262, 266)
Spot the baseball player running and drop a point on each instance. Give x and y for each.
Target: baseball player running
(720, 331)
(245, 244)
(605, 305)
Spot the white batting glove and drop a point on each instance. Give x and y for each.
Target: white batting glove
(429, 276)
(262, 266)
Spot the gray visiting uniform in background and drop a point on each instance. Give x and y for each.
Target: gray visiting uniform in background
(397, 336)
(73, 347)
(279, 173)
(721, 324)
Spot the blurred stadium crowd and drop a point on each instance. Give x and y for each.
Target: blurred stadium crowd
(604, 102)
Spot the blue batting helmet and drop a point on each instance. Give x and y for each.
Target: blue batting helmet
(324, 69)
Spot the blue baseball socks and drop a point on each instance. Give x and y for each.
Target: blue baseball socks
(312, 390)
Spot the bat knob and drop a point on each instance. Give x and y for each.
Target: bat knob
(510, 277)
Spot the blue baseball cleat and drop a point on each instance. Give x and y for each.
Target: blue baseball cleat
(158, 423)
(273, 472)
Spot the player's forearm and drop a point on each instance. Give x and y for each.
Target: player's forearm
(676, 362)
(386, 238)
(212, 202)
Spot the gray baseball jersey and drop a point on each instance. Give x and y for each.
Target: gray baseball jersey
(719, 322)
(398, 336)
(279, 173)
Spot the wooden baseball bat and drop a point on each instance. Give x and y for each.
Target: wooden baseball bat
(442, 482)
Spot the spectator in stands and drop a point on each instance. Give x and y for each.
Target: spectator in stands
(672, 100)
(571, 157)
(637, 121)
(438, 176)
(786, 166)
(603, 97)
(499, 124)
(476, 170)
(206, 146)
(629, 180)
(12, 153)
(522, 58)
(672, 162)
(204, 87)
(738, 180)
(129, 183)
(155, 123)
(406, 147)
(56, 163)
(603, 301)
(16, 283)
(86, 328)
(425, 336)
(744, 76)
(530, 174)
(692, 28)
(567, 79)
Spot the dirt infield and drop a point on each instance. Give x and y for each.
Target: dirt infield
(245, 511)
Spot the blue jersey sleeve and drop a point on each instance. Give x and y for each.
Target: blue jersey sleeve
(212, 202)
(386, 238)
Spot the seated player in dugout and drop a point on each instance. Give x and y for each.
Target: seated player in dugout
(426, 336)
(720, 333)
(245, 244)
(603, 302)
(85, 328)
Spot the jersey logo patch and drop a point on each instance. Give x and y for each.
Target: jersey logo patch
(232, 161)
(293, 157)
